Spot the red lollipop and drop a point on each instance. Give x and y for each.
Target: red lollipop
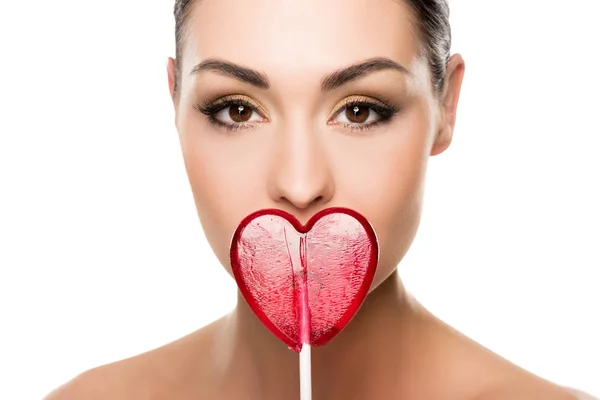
(305, 283)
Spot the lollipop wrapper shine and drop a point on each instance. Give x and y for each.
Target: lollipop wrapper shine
(305, 283)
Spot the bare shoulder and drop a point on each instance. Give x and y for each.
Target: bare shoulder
(97, 383)
(579, 395)
(514, 383)
(160, 373)
(530, 390)
(482, 374)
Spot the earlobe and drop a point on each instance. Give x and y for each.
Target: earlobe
(171, 77)
(442, 141)
(454, 76)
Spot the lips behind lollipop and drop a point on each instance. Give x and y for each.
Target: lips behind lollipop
(327, 265)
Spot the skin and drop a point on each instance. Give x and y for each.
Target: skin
(298, 155)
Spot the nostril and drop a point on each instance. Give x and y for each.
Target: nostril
(301, 204)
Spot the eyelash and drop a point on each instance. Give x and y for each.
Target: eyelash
(385, 112)
(211, 108)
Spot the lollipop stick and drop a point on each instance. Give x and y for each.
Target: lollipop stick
(305, 373)
(305, 367)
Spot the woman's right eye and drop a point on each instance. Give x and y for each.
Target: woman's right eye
(231, 114)
(237, 113)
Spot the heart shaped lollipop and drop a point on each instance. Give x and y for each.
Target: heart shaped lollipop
(305, 283)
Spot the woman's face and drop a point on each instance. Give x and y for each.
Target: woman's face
(305, 105)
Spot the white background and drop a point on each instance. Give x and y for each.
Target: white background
(101, 253)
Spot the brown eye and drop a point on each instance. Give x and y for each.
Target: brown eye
(357, 114)
(240, 113)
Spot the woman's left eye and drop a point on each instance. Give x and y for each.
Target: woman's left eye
(357, 114)
(363, 115)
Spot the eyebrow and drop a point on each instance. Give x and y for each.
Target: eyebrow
(328, 83)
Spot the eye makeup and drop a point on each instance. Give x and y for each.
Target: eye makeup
(239, 105)
(386, 110)
(212, 108)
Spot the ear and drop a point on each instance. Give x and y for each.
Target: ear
(449, 102)
(171, 77)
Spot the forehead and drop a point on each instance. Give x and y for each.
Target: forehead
(280, 36)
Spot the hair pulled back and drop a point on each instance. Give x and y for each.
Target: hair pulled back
(432, 18)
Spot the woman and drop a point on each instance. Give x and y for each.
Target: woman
(302, 106)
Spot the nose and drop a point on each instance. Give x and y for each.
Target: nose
(300, 175)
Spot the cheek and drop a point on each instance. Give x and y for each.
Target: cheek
(386, 185)
(397, 227)
(226, 181)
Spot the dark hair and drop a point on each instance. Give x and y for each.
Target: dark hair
(432, 20)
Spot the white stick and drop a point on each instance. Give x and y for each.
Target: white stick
(305, 373)
(305, 328)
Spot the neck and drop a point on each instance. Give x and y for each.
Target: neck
(375, 346)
